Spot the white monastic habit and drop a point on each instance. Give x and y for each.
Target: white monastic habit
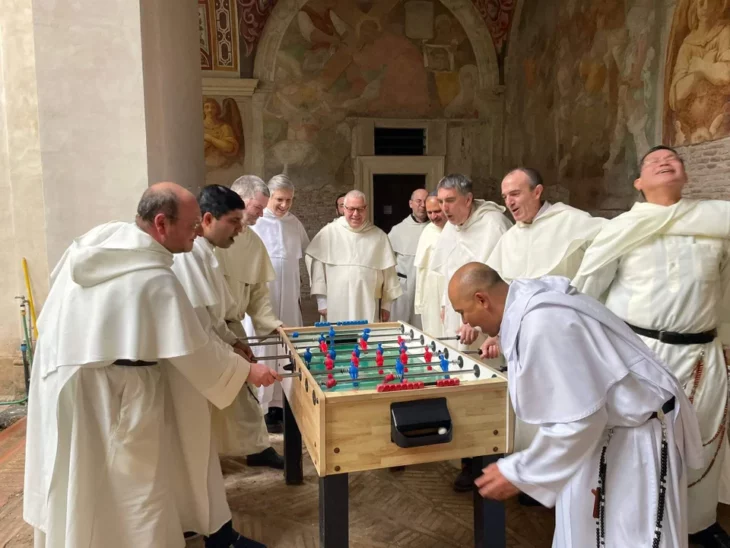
(240, 428)
(286, 241)
(666, 268)
(473, 241)
(553, 244)
(350, 270)
(404, 238)
(120, 456)
(580, 374)
(429, 283)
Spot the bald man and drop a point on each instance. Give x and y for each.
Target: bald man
(429, 283)
(117, 384)
(351, 267)
(615, 428)
(404, 238)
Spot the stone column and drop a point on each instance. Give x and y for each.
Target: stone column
(97, 101)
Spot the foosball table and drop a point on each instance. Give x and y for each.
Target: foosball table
(369, 396)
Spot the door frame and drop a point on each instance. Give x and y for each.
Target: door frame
(367, 166)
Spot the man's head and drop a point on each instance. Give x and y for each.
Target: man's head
(254, 192)
(282, 195)
(479, 294)
(433, 210)
(456, 197)
(522, 193)
(417, 203)
(222, 211)
(661, 175)
(356, 207)
(340, 204)
(170, 214)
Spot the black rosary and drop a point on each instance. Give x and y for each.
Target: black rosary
(599, 508)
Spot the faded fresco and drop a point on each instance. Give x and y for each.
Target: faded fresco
(581, 87)
(222, 133)
(697, 80)
(343, 58)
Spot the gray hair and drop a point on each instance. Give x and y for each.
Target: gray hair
(414, 192)
(354, 194)
(533, 176)
(248, 186)
(433, 193)
(461, 183)
(280, 182)
(155, 201)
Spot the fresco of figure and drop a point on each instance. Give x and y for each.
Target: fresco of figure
(700, 86)
(222, 133)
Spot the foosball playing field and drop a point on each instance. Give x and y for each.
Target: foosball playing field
(367, 396)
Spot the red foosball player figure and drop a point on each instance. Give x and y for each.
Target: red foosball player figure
(355, 360)
(379, 360)
(329, 363)
(323, 347)
(363, 344)
(404, 357)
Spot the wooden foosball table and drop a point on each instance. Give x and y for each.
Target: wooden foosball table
(357, 406)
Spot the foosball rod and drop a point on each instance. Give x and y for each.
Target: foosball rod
(476, 372)
(435, 365)
(414, 355)
(409, 340)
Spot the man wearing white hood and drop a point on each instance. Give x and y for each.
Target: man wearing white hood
(351, 267)
(286, 241)
(118, 398)
(616, 432)
(404, 238)
(474, 227)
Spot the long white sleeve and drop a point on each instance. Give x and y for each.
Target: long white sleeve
(596, 284)
(558, 450)
(215, 371)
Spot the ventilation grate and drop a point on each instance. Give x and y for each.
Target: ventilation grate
(396, 141)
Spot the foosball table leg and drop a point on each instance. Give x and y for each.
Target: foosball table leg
(489, 515)
(293, 471)
(334, 522)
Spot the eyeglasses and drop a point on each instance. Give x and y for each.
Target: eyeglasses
(360, 210)
(655, 161)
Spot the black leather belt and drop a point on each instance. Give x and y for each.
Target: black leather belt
(134, 363)
(670, 337)
(667, 408)
(401, 275)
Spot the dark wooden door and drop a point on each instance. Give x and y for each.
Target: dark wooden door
(391, 193)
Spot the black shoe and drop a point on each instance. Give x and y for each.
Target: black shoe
(712, 537)
(464, 482)
(274, 420)
(228, 537)
(268, 457)
(527, 500)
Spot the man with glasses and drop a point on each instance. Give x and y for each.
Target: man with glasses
(404, 239)
(241, 428)
(662, 267)
(351, 267)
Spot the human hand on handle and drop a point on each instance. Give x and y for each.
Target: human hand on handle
(467, 334)
(490, 349)
(262, 375)
(493, 485)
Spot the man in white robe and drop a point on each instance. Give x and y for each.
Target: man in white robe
(340, 205)
(474, 228)
(615, 429)
(199, 271)
(404, 240)
(351, 267)
(663, 268)
(242, 428)
(286, 241)
(429, 284)
(546, 240)
(116, 453)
